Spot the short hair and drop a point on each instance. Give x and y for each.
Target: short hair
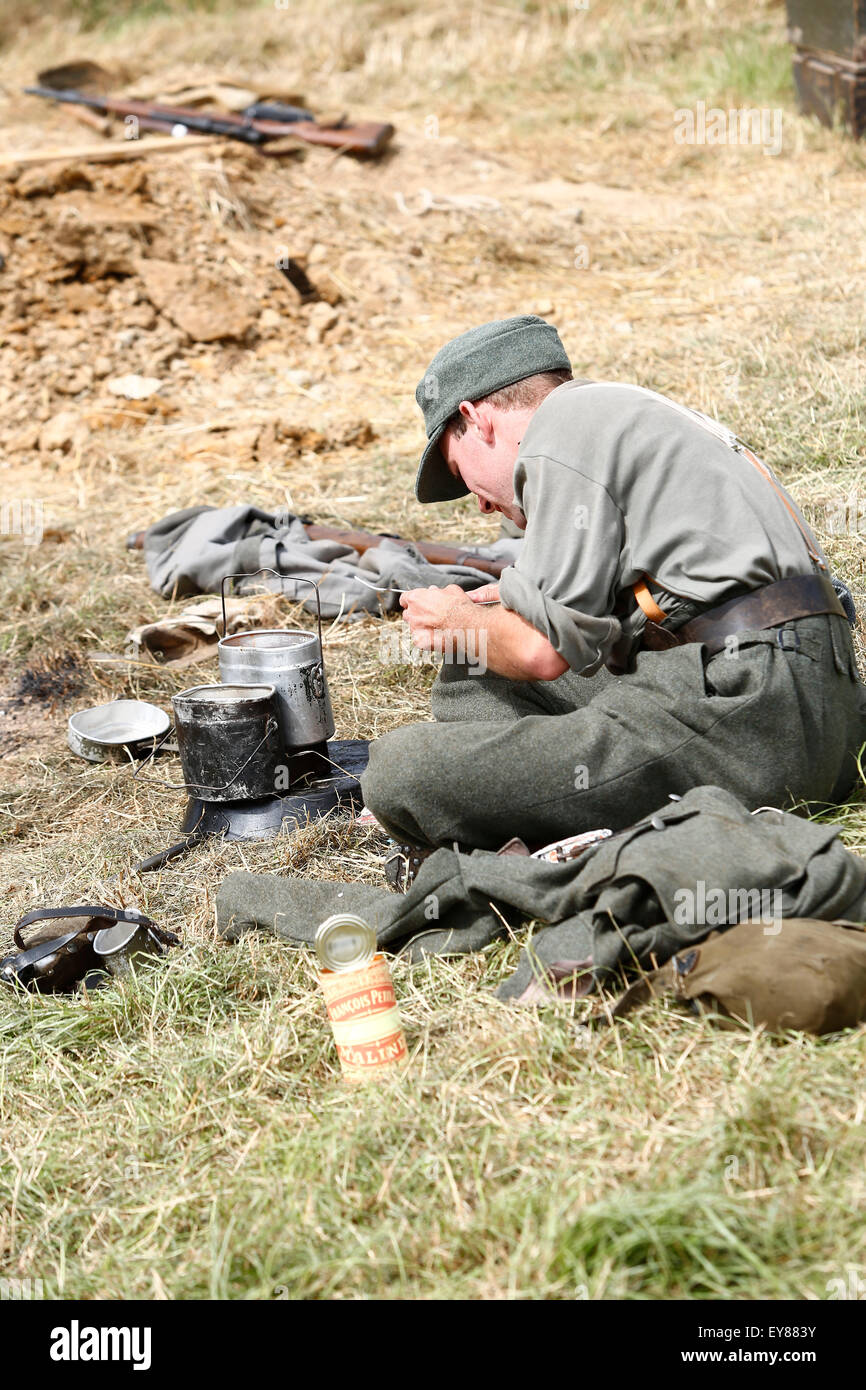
(520, 395)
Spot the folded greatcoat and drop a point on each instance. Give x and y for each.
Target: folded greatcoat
(633, 900)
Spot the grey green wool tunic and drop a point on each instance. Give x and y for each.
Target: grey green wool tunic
(618, 483)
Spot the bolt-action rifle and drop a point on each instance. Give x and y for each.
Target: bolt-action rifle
(251, 126)
(434, 552)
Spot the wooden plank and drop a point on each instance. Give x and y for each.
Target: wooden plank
(107, 152)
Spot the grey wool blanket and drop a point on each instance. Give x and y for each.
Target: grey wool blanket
(192, 551)
(696, 865)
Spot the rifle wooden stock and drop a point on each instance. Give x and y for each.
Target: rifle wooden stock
(434, 552)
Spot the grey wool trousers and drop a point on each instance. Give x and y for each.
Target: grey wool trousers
(778, 720)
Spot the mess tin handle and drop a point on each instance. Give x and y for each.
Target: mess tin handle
(271, 727)
(175, 786)
(296, 579)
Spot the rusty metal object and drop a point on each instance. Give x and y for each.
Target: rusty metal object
(833, 26)
(228, 741)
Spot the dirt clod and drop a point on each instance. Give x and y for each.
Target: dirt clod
(206, 307)
(62, 431)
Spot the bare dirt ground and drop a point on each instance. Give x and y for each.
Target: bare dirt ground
(534, 170)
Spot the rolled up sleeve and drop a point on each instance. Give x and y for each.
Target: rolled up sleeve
(564, 581)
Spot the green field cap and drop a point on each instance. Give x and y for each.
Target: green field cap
(472, 366)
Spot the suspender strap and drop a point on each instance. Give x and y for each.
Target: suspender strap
(804, 532)
(641, 591)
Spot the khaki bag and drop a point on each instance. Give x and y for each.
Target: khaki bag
(797, 973)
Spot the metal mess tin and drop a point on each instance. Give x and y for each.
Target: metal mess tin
(289, 659)
(116, 731)
(120, 946)
(228, 740)
(345, 942)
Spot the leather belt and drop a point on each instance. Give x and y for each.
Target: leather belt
(771, 606)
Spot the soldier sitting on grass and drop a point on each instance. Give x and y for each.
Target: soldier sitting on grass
(671, 620)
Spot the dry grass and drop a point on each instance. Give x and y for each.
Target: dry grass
(189, 1136)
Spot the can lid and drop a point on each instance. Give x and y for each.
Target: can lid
(345, 942)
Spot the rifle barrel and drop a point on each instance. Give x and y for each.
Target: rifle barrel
(233, 126)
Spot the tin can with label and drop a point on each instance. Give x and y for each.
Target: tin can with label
(359, 994)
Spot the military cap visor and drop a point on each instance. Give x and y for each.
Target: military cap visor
(435, 482)
(472, 366)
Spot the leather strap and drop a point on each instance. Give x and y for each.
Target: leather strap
(88, 910)
(16, 965)
(768, 607)
(647, 602)
(765, 473)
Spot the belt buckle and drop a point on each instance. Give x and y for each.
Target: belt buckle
(794, 645)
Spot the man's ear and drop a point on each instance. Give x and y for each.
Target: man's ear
(480, 416)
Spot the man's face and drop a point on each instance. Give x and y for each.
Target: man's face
(484, 457)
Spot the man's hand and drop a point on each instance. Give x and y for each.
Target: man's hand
(488, 593)
(434, 615)
(456, 625)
